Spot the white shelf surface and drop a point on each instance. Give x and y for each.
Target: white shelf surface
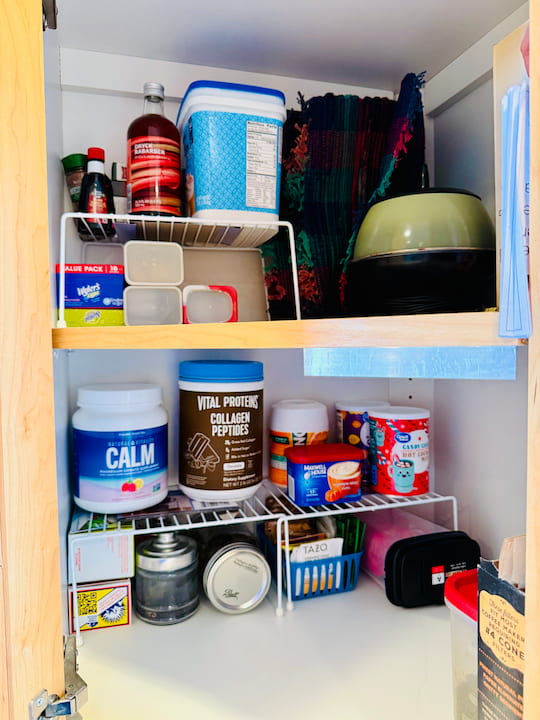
(350, 656)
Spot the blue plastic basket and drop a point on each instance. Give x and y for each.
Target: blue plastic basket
(315, 577)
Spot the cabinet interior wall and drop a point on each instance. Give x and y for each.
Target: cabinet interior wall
(462, 147)
(479, 427)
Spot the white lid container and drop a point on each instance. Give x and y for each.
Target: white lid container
(120, 444)
(391, 412)
(209, 304)
(299, 415)
(148, 305)
(153, 263)
(295, 421)
(127, 395)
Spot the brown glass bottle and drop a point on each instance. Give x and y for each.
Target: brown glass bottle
(153, 159)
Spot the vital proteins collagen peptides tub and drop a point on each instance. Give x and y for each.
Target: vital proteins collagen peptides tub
(221, 425)
(120, 447)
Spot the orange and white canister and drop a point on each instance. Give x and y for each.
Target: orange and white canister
(295, 421)
(400, 438)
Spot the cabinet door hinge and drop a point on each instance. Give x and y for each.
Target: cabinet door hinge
(49, 12)
(44, 705)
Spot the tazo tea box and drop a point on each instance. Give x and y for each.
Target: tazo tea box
(321, 474)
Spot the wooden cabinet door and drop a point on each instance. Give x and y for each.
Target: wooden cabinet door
(31, 652)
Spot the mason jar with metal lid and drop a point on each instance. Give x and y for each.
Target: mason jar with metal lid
(166, 578)
(235, 574)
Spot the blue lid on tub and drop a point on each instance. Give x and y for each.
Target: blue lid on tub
(238, 87)
(226, 86)
(221, 371)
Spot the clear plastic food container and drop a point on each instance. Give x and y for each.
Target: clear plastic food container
(461, 596)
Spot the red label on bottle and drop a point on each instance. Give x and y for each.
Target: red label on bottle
(97, 203)
(153, 175)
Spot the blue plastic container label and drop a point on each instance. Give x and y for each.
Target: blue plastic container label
(120, 466)
(232, 162)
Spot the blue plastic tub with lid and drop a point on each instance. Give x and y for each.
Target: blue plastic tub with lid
(231, 143)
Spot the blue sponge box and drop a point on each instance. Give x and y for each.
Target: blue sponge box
(93, 294)
(92, 286)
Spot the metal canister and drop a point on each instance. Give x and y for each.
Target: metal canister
(166, 578)
(235, 574)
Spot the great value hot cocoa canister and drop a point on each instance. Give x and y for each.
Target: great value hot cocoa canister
(400, 439)
(221, 426)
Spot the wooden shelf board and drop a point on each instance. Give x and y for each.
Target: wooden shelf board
(449, 330)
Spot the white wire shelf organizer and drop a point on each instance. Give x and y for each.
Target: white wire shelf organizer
(370, 502)
(252, 510)
(186, 231)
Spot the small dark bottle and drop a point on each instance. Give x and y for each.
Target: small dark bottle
(96, 197)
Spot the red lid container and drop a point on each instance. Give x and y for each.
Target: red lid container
(461, 591)
(323, 452)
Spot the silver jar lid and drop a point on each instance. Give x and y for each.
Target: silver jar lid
(154, 89)
(236, 578)
(166, 552)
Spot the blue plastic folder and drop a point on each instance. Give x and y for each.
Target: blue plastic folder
(514, 304)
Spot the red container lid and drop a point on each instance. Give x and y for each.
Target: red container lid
(322, 452)
(461, 591)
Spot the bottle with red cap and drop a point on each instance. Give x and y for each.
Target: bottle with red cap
(96, 197)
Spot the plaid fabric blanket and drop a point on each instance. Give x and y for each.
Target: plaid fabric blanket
(341, 153)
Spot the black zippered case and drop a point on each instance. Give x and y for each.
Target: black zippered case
(416, 568)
